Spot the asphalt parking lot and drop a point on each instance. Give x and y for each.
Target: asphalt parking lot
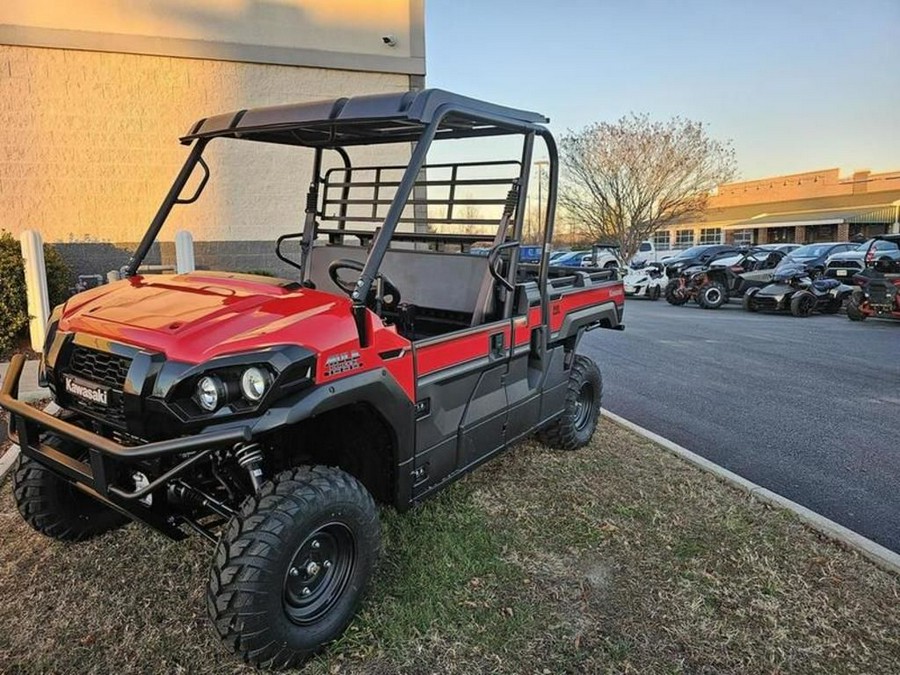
(808, 408)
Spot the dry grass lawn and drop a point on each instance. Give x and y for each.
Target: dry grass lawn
(619, 558)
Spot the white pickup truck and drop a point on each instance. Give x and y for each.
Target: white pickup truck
(647, 252)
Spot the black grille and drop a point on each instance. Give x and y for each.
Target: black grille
(879, 295)
(103, 368)
(114, 413)
(845, 264)
(100, 367)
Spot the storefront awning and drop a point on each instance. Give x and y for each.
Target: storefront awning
(877, 214)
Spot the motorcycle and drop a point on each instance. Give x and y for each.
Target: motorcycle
(645, 280)
(792, 289)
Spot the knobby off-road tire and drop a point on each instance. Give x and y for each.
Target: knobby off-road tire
(748, 303)
(712, 296)
(671, 297)
(803, 303)
(292, 566)
(582, 408)
(56, 508)
(854, 313)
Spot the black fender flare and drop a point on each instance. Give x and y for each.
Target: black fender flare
(376, 388)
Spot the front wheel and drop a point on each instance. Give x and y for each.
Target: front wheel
(748, 302)
(575, 427)
(653, 293)
(854, 312)
(803, 303)
(292, 566)
(674, 295)
(56, 508)
(712, 296)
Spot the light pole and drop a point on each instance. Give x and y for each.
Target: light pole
(540, 163)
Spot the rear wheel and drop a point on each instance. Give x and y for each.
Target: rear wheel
(292, 566)
(673, 294)
(854, 313)
(653, 293)
(803, 303)
(748, 302)
(582, 408)
(56, 508)
(712, 296)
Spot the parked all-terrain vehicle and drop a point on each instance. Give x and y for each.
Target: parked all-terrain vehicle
(712, 285)
(271, 415)
(722, 280)
(878, 294)
(685, 285)
(793, 290)
(876, 297)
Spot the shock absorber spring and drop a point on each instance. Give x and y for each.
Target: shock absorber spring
(249, 456)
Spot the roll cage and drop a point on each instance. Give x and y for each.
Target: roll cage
(420, 118)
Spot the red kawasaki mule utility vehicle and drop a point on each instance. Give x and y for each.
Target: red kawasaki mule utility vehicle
(271, 415)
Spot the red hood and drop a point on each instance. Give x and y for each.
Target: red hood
(198, 316)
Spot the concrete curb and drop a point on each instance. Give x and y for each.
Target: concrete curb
(34, 395)
(881, 556)
(8, 460)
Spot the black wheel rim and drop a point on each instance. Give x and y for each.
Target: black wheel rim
(584, 404)
(318, 573)
(806, 305)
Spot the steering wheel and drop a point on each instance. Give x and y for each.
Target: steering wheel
(390, 296)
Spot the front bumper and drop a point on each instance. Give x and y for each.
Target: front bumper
(96, 476)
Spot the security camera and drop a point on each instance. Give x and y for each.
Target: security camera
(389, 40)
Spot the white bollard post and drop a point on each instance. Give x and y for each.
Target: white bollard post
(35, 287)
(184, 252)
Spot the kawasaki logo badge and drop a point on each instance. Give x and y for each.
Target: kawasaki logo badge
(341, 363)
(86, 390)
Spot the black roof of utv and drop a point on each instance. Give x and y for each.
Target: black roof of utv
(376, 118)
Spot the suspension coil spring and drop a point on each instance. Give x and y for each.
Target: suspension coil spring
(248, 453)
(249, 456)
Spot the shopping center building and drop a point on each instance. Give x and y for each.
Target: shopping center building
(805, 207)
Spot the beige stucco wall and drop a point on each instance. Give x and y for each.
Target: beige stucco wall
(88, 142)
(332, 25)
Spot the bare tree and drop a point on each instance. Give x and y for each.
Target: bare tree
(625, 180)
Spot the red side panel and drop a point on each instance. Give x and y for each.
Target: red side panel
(456, 350)
(583, 298)
(386, 350)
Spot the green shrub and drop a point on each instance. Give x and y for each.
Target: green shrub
(13, 300)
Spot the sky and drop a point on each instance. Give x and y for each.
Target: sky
(796, 85)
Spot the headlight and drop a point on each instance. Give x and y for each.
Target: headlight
(254, 383)
(210, 392)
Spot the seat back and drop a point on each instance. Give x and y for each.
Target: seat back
(450, 281)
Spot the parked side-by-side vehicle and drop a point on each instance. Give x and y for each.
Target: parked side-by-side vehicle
(878, 294)
(271, 415)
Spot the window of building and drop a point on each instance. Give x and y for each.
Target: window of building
(711, 235)
(743, 237)
(662, 239)
(684, 238)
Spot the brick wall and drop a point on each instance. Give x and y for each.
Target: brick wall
(90, 143)
(809, 185)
